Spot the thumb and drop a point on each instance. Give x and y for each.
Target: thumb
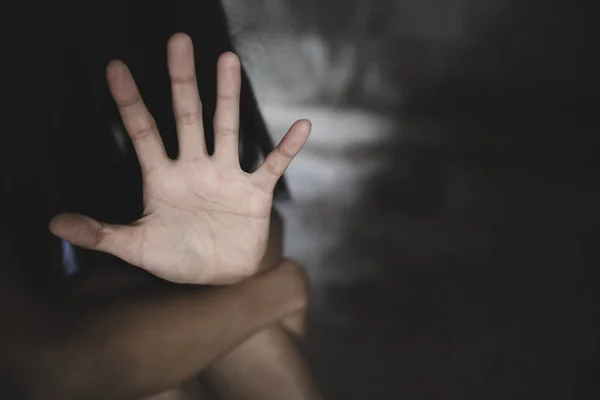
(88, 233)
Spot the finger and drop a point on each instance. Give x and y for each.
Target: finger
(85, 232)
(226, 122)
(137, 120)
(279, 159)
(187, 106)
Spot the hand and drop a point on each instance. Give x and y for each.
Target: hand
(205, 220)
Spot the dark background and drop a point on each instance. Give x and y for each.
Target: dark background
(447, 204)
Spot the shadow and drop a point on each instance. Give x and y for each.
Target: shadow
(59, 152)
(480, 236)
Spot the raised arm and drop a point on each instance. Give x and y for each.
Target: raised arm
(205, 220)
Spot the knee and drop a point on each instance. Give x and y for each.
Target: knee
(295, 322)
(298, 279)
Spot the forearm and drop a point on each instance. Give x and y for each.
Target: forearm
(143, 345)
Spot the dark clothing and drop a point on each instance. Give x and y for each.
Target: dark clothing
(59, 151)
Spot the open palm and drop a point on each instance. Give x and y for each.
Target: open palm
(205, 220)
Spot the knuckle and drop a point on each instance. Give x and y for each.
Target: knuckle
(188, 79)
(271, 168)
(284, 152)
(142, 134)
(188, 118)
(225, 130)
(227, 96)
(101, 232)
(131, 102)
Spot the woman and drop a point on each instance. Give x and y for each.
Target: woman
(189, 328)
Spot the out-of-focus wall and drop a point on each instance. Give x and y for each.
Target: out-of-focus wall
(446, 204)
(378, 52)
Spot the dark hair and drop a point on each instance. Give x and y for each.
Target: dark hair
(76, 165)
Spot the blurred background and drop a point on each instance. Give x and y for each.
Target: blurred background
(446, 206)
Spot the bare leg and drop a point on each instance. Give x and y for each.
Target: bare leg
(270, 365)
(124, 283)
(188, 391)
(136, 345)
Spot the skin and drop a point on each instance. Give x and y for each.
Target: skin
(205, 221)
(268, 365)
(238, 362)
(100, 352)
(184, 327)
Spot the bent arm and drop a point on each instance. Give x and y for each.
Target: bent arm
(271, 364)
(139, 345)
